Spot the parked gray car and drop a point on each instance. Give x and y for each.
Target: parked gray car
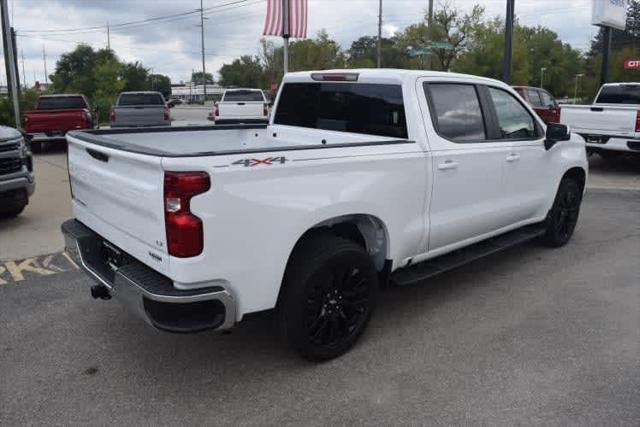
(136, 109)
(17, 181)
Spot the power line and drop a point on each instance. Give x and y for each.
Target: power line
(143, 22)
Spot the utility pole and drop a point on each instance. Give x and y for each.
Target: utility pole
(108, 38)
(380, 34)
(429, 33)
(44, 59)
(10, 61)
(575, 92)
(286, 34)
(204, 70)
(606, 47)
(508, 41)
(24, 76)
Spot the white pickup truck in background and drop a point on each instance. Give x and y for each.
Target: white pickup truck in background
(361, 179)
(611, 125)
(241, 106)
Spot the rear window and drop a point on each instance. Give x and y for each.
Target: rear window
(619, 94)
(374, 109)
(534, 98)
(140, 99)
(61, 103)
(243, 96)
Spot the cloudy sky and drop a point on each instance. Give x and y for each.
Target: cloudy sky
(170, 42)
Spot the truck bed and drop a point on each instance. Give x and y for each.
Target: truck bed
(194, 141)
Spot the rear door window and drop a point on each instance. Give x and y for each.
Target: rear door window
(140, 99)
(534, 98)
(456, 111)
(514, 120)
(61, 103)
(243, 96)
(375, 109)
(547, 100)
(619, 94)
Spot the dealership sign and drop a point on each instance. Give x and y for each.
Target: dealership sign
(632, 63)
(609, 13)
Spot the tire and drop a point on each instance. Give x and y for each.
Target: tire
(328, 296)
(563, 216)
(36, 146)
(12, 212)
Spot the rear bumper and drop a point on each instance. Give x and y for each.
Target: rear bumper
(240, 120)
(612, 143)
(146, 292)
(43, 137)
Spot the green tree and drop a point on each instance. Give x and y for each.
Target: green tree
(109, 83)
(196, 77)
(245, 71)
(161, 83)
(364, 53)
(74, 71)
(135, 76)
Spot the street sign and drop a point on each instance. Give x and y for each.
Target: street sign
(418, 52)
(441, 45)
(632, 64)
(609, 13)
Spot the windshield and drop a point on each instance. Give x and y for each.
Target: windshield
(61, 103)
(619, 94)
(376, 109)
(140, 99)
(243, 95)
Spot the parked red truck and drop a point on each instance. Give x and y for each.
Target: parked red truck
(541, 101)
(54, 116)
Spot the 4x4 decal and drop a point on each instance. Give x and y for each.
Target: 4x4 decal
(255, 162)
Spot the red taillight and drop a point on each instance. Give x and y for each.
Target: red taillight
(166, 114)
(185, 237)
(265, 110)
(638, 121)
(112, 115)
(216, 111)
(558, 113)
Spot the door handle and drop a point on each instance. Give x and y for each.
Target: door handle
(448, 164)
(513, 157)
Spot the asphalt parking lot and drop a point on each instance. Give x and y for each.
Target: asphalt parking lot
(527, 336)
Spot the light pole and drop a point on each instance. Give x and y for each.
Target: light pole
(542, 70)
(575, 92)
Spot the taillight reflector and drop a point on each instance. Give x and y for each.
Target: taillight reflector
(112, 115)
(335, 77)
(185, 235)
(166, 114)
(265, 110)
(638, 121)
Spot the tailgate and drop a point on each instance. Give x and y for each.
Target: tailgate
(140, 116)
(54, 121)
(230, 110)
(119, 195)
(603, 120)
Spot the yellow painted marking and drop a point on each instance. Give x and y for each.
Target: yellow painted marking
(71, 261)
(29, 265)
(2, 270)
(45, 265)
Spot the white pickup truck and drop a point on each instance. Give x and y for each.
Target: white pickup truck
(361, 179)
(239, 106)
(611, 125)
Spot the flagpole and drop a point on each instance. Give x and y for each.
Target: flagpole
(285, 33)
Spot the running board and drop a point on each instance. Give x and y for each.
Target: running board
(431, 267)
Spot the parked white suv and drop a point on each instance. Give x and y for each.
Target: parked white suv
(361, 179)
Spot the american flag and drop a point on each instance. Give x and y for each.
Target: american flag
(274, 24)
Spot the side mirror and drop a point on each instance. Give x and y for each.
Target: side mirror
(555, 133)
